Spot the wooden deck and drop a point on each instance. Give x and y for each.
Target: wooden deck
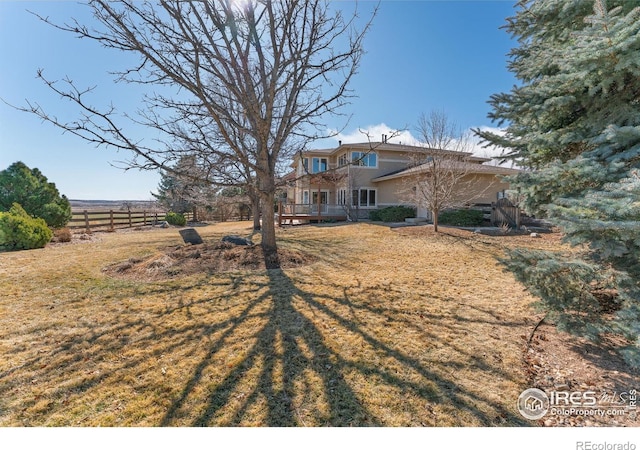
(309, 213)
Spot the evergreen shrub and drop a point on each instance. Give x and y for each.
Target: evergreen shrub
(392, 214)
(175, 218)
(461, 217)
(20, 231)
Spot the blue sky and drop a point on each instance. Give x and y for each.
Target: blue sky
(421, 55)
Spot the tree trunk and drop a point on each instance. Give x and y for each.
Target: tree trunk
(269, 247)
(435, 220)
(255, 211)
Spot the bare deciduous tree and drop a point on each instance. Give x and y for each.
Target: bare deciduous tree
(255, 78)
(442, 174)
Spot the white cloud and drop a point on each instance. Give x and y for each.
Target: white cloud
(477, 148)
(375, 133)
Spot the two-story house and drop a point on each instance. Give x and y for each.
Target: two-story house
(352, 179)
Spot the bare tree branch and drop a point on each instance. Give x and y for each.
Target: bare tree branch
(442, 173)
(255, 80)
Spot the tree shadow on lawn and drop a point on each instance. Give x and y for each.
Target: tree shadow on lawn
(269, 349)
(304, 359)
(290, 345)
(285, 347)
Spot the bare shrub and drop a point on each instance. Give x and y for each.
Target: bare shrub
(62, 235)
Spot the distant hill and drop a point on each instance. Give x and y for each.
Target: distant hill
(116, 205)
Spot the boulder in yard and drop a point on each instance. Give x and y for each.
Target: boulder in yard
(237, 240)
(190, 236)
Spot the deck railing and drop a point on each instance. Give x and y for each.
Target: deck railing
(290, 211)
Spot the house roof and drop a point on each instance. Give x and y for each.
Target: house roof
(314, 151)
(473, 168)
(386, 146)
(290, 176)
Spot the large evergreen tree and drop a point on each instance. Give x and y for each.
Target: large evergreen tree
(31, 189)
(574, 121)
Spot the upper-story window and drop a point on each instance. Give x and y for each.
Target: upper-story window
(343, 160)
(364, 159)
(319, 165)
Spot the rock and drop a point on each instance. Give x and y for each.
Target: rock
(163, 224)
(535, 235)
(237, 240)
(190, 236)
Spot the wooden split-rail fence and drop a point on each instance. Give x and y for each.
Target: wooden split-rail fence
(110, 220)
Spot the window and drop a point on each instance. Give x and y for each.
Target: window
(363, 198)
(364, 159)
(324, 198)
(342, 197)
(305, 164)
(305, 197)
(343, 160)
(319, 165)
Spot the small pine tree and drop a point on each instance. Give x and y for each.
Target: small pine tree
(181, 190)
(31, 189)
(574, 122)
(170, 194)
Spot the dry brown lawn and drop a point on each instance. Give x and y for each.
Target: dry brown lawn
(383, 328)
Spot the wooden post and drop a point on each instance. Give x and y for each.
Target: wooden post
(155, 220)
(144, 217)
(111, 219)
(279, 213)
(493, 214)
(130, 224)
(86, 221)
(319, 192)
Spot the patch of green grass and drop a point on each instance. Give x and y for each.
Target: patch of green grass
(383, 329)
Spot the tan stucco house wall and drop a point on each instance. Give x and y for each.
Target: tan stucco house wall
(365, 176)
